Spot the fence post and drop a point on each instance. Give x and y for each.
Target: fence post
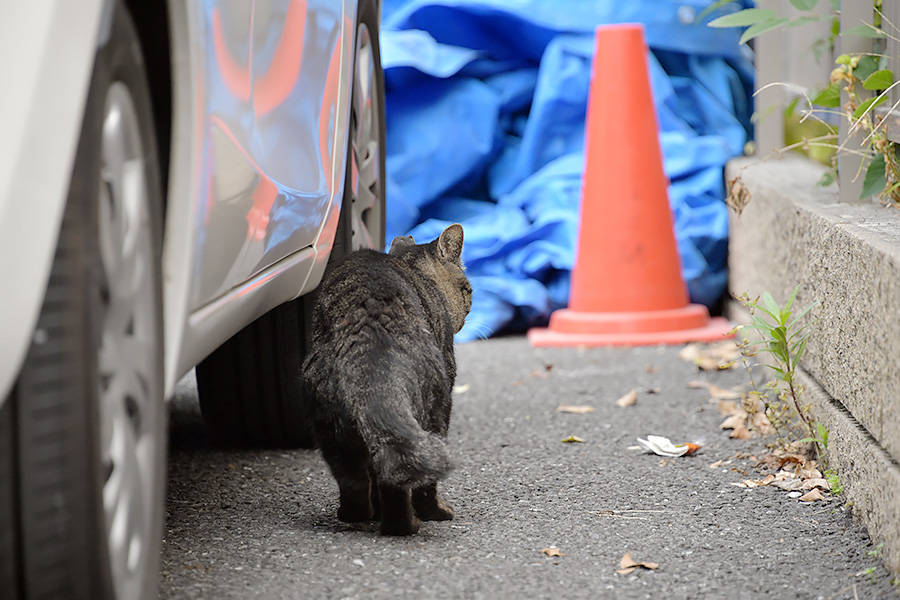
(891, 12)
(851, 167)
(768, 104)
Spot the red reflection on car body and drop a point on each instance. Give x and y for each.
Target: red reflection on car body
(275, 85)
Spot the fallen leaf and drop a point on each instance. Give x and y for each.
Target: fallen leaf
(572, 439)
(729, 407)
(711, 357)
(808, 470)
(552, 551)
(788, 485)
(461, 389)
(752, 483)
(654, 390)
(740, 433)
(761, 422)
(575, 409)
(810, 484)
(716, 392)
(542, 374)
(785, 457)
(719, 463)
(735, 421)
(628, 399)
(738, 196)
(812, 496)
(650, 369)
(628, 565)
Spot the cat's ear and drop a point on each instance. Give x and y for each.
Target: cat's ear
(401, 241)
(451, 242)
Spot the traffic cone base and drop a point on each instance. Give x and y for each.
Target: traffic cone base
(691, 316)
(628, 332)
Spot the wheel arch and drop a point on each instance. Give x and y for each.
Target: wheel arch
(45, 47)
(151, 19)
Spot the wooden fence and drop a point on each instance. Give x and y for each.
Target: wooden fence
(790, 56)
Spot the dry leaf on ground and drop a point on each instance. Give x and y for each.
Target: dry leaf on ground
(628, 565)
(810, 484)
(712, 357)
(741, 433)
(719, 463)
(628, 399)
(786, 481)
(729, 407)
(542, 374)
(808, 470)
(762, 424)
(793, 483)
(716, 392)
(552, 551)
(737, 419)
(784, 458)
(575, 409)
(812, 496)
(572, 439)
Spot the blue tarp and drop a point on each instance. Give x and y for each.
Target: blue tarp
(485, 108)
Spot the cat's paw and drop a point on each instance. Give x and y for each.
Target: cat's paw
(434, 510)
(400, 527)
(354, 513)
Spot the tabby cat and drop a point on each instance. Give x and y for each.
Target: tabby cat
(379, 377)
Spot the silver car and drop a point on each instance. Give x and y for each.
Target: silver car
(175, 176)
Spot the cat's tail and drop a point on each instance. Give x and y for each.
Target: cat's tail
(403, 454)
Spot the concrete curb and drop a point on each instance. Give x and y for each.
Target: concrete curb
(848, 258)
(869, 475)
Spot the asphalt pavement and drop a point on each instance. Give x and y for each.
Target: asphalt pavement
(536, 517)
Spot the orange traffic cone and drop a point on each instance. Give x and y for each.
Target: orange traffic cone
(626, 283)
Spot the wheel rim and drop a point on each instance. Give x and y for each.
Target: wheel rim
(366, 186)
(130, 410)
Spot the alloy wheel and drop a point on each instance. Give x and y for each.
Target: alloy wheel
(130, 409)
(367, 188)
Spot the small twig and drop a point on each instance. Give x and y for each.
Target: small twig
(611, 514)
(880, 123)
(884, 18)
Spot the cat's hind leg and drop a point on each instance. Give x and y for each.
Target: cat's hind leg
(397, 516)
(356, 507)
(352, 476)
(428, 505)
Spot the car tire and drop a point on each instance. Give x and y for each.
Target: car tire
(362, 223)
(83, 432)
(250, 389)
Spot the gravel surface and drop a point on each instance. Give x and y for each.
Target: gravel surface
(262, 524)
